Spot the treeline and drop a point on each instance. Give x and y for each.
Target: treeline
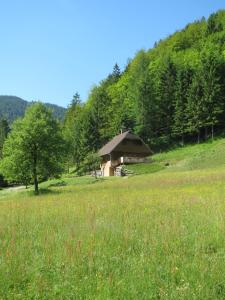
(36, 148)
(173, 93)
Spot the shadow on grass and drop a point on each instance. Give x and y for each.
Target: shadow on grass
(58, 184)
(53, 188)
(44, 191)
(97, 180)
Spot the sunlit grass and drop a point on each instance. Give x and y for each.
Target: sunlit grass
(194, 157)
(153, 236)
(156, 236)
(202, 156)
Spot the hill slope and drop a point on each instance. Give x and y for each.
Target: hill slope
(204, 156)
(172, 93)
(12, 107)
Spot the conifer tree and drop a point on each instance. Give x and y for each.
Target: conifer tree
(72, 131)
(165, 96)
(211, 62)
(182, 84)
(195, 108)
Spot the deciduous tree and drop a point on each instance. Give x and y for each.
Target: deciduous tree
(34, 150)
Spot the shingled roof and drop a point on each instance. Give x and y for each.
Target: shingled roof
(112, 145)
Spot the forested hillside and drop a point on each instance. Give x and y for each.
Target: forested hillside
(172, 93)
(12, 107)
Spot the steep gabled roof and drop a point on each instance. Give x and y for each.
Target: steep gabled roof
(111, 145)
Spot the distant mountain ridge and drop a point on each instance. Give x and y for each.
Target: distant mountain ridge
(12, 107)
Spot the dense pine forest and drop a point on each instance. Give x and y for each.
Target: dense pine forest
(171, 94)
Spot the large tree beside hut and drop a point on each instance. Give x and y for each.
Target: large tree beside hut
(34, 148)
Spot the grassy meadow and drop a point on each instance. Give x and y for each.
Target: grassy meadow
(156, 235)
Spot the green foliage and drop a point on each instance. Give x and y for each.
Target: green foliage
(4, 131)
(14, 165)
(212, 65)
(173, 93)
(34, 148)
(180, 116)
(72, 131)
(91, 163)
(213, 25)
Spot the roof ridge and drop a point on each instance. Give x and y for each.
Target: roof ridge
(116, 140)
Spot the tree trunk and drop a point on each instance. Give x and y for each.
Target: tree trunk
(182, 140)
(36, 190)
(198, 136)
(206, 133)
(77, 166)
(212, 132)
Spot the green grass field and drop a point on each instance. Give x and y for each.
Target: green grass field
(156, 235)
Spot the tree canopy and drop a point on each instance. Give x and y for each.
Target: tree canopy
(34, 149)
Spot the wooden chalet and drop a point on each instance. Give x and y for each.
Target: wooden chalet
(124, 148)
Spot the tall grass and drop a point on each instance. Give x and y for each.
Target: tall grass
(155, 236)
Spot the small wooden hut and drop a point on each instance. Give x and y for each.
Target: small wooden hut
(124, 148)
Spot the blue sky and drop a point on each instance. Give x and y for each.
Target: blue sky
(52, 48)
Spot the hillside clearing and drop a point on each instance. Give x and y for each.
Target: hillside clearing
(195, 157)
